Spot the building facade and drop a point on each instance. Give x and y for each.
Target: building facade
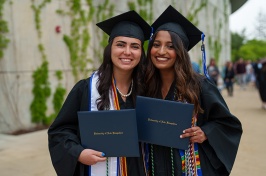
(53, 43)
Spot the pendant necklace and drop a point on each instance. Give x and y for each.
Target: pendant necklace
(126, 95)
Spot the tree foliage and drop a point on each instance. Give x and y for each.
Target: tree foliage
(241, 47)
(253, 50)
(237, 40)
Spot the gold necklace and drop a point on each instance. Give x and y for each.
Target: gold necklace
(123, 95)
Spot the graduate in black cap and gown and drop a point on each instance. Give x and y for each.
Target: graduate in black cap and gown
(118, 79)
(215, 132)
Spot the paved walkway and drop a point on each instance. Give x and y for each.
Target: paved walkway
(27, 155)
(246, 105)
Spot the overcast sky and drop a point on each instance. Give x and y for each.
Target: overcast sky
(246, 15)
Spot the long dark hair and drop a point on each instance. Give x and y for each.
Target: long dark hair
(187, 81)
(105, 72)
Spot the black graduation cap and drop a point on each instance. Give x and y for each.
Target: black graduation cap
(128, 24)
(172, 20)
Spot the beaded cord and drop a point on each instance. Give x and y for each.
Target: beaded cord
(175, 98)
(190, 166)
(107, 167)
(172, 161)
(152, 160)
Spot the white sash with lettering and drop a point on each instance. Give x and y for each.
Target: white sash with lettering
(99, 169)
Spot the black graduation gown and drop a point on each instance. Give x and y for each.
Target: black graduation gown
(262, 84)
(223, 130)
(64, 138)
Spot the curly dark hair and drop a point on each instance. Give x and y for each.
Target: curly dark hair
(187, 81)
(105, 72)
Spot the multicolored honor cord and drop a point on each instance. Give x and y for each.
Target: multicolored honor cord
(115, 97)
(190, 158)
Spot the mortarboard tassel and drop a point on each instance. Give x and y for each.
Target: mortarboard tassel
(151, 34)
(205, 71)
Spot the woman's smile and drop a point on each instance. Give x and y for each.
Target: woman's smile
(162, 59)
(126, 60)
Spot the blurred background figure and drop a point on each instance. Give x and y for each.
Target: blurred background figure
(256, 72)
(249, 73)
(261, 78)
(223, 69)
(196, 67)
(213, 71)
(241, 73)
(229, 77)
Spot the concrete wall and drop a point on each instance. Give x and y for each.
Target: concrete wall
(22, 57)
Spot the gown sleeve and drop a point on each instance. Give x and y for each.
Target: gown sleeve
(223, 130)
(63, 134)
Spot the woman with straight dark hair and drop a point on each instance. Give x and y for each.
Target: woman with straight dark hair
(113, 86)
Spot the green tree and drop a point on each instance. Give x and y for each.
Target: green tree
(237, 41)
(253, 50)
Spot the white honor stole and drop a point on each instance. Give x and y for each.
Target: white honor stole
(99, 169)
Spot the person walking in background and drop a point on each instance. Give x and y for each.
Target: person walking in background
(222, 74)
(261, 77)
(256, 67)
(213, 71)
(223, 69)
(113, 86)
(241, 73)
(249, 73)
(170, 76)
(229, 78)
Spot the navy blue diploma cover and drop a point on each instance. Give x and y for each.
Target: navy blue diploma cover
(113, 132)
(161, 122)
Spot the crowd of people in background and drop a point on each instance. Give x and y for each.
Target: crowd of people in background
(242, 72)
